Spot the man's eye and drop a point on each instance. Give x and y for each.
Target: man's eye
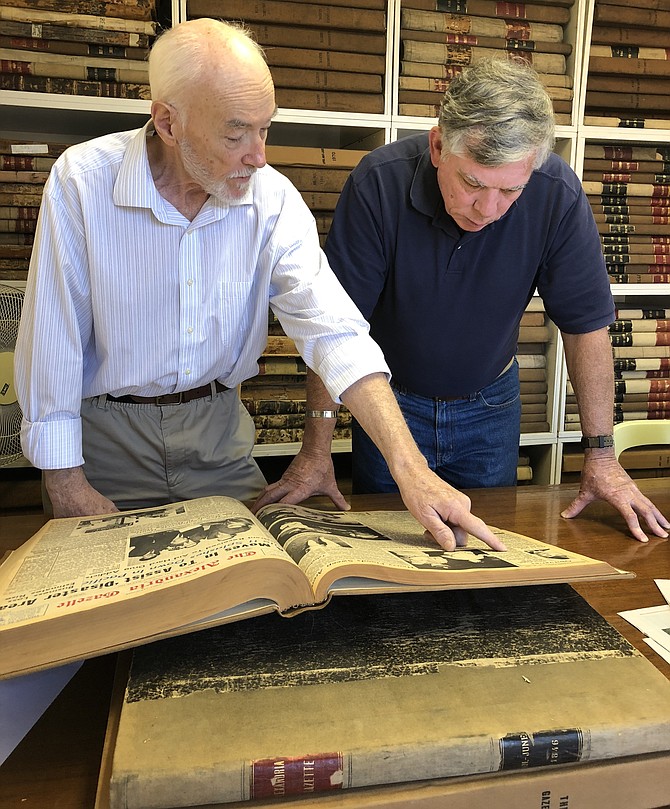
(234, 140)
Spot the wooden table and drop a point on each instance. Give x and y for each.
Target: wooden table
(56, 765)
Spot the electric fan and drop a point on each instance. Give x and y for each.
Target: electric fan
(11, 300)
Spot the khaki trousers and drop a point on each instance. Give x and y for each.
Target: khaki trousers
(143, 455)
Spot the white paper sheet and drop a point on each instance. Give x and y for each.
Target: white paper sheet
(652, 621)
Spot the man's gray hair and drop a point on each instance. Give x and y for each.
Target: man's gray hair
(497, 112)
(181, 56)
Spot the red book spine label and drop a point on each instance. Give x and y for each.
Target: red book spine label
(276, 777)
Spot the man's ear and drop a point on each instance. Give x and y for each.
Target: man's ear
(435, 142)
(164, 116)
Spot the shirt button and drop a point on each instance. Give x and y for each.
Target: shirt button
(190, 282)
(190, 330)
(187, 371)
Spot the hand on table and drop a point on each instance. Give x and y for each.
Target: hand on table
(308, 474)
(603, 478)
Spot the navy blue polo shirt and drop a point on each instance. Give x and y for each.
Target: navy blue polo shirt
(444, 305)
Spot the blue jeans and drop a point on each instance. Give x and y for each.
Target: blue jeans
(470, 443)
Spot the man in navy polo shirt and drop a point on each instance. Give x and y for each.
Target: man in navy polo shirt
(441, 239)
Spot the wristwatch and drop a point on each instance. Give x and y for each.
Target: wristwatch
(599, 441)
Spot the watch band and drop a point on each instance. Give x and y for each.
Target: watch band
(321, 414)
(597, 441)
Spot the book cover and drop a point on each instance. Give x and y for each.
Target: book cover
(383, 690)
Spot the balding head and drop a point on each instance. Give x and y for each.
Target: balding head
(203, 55)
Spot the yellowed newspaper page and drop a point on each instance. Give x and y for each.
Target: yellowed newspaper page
(386, 551)
(84, 586)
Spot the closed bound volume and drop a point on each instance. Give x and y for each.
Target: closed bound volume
(381, 690)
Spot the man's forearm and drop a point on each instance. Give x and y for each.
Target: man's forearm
(591, 371)
(373, 404)
(318, 430)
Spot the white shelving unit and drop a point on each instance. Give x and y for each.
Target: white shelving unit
(76, 118)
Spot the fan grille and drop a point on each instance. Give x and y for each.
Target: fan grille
(11, 300)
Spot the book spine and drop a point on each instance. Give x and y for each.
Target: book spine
(64, 33)
(333, 101)
(26, 162)
(48, 84)
(640, 339)
(320, 39)
(628, 52)
(329, 60)
(537, 12)
(36, 16)
(630, 122)
(626, 189)
(498, 43)
(630, 101)
(608, 35)
(620, 151)
(313, 156)
(11, 54)
(634, 17)
(326, 80)
(642, 314)
(596, 163)
(629, 84)
(484, 26)
(304, 14)
(315, 179)
(72, 48)
(445, 71)
(629, 67)
(74, 71)
(138, 10)
(462, 55)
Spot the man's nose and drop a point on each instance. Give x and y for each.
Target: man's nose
(486, 202)
(256, 155)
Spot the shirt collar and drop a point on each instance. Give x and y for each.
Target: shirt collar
(424, 193)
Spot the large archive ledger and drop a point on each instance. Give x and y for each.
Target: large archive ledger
(391, 689)
(82, 587)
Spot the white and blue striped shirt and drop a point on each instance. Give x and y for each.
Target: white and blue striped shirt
(127, 296)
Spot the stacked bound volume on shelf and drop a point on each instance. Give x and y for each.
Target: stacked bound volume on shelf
(318, 173)
(276, 397)
(77, 47)
(641, 349)
(628, 186)
(534, 337)
(322, 55)
(435, 45)
(24, 168)
(628, 82)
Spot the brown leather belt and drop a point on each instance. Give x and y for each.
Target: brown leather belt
(173, 398)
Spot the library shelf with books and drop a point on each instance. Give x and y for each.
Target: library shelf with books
(312, 116)
(431, 45)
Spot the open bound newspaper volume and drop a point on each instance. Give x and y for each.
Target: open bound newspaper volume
(87, 586)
